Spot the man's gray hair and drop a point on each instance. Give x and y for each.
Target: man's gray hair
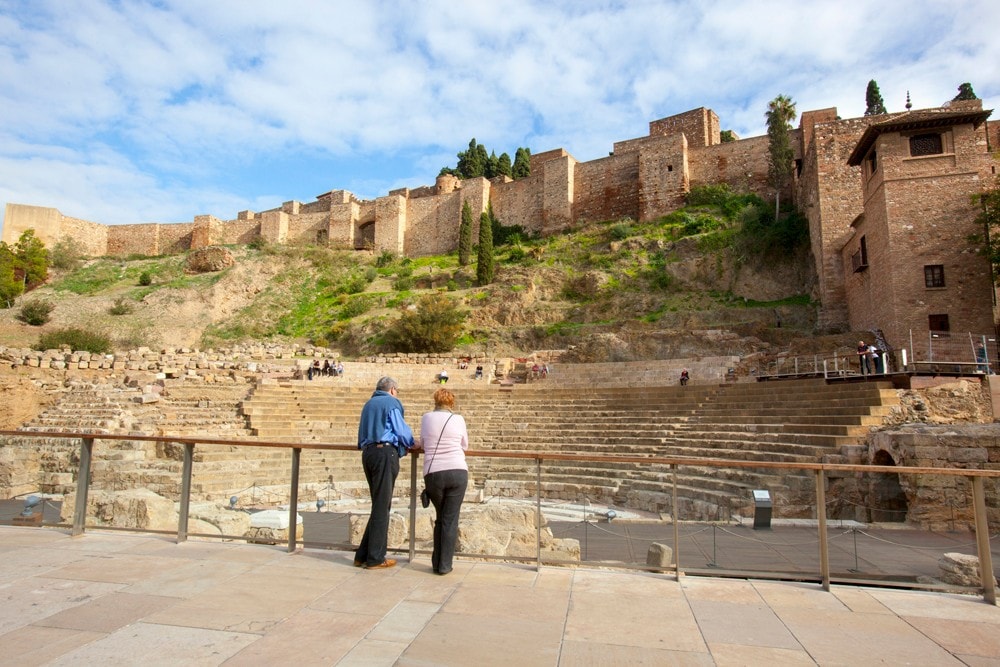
(385, 383)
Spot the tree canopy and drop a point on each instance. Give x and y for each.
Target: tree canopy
(874, 105)
(22, 267)
(989, 221)
(965, 92)
(476, 162)
(433, 326)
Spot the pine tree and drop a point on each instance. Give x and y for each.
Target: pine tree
(522, 164)
(484, 260)
(780, 114)
(965, 92)
(465, 235)
(874, 105)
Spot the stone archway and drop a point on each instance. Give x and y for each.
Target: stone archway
(886, 495)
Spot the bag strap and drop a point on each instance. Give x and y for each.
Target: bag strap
(434, 453)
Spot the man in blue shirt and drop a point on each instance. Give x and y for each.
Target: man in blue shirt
(383, 438)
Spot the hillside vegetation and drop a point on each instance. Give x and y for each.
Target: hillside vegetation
(617, 290)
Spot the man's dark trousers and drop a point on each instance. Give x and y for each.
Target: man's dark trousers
(381, 466)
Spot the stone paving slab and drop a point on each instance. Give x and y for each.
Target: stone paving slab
(129, 599)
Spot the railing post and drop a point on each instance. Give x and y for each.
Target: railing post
(538, 514)
(983, 541)
(824, 547)
(413, 504)
(825, 374)
(293, 501)
(677, 532)
(182, 518)
(82, 486)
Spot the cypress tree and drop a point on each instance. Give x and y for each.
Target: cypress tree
(504, 166)
(484, 260)
(874, 105)
(522, 164)
(465, 235)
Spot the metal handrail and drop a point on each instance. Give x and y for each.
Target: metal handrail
(820, 470)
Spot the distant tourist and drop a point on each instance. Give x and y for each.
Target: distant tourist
(982, 359)
(876, 358)
(863, 361)
(444, 438)
(443, 376)
(685, 376)
(479, 372)
(339, 370)
(314, 369)
(383, 438)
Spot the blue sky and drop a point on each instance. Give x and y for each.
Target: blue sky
(125, 111)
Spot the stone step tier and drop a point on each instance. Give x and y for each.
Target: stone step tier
(790, 421)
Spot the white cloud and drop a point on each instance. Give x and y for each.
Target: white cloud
(167, 109)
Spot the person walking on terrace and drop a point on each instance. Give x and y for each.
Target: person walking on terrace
(383, 438)
(444, 438)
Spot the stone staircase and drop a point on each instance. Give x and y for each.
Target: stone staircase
(791, 421)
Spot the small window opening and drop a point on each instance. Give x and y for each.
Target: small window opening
(925, 144)
(934, 275)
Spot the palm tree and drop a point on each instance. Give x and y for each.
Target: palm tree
(780, 114)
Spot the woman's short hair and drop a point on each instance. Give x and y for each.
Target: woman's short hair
(444, 399)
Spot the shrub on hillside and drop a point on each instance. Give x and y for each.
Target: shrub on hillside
(121, 307)
(75, 339)
(65, 254)
(36, 312)
(433, 326)
(145, 278)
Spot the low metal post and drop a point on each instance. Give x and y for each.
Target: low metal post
(824, 547)
(182, 518)
(983, 541)
(293, 501)
(538, 514)
(677, 532)
(413, 504)
(82, 486)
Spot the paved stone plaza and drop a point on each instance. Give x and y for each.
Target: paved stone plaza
(123, 598)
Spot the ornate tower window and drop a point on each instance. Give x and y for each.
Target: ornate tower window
(925, 144)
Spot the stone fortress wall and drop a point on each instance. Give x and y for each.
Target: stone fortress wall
(642, 178)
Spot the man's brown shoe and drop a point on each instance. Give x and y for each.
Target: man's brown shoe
(359, 563)
(387, 563)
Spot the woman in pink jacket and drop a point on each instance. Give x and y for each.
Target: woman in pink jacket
(444, 438)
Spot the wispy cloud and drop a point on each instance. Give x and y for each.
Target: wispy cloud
(142, 110)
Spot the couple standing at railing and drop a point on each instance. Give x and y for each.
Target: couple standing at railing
(383, 438)
(869, 358)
